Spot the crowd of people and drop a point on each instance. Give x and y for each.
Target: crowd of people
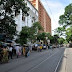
(9, 52)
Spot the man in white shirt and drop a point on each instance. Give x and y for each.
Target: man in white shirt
(17, 50)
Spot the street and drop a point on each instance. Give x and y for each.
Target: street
(45, 61)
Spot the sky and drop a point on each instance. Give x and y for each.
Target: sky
(55, 8)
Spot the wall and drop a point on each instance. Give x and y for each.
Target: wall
(34, 3)
(28, 20)
(44, 18)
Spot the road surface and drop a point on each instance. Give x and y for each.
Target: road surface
(45, 61)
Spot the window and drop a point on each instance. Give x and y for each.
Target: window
(32, 21)
(17, 13)
(23, 18)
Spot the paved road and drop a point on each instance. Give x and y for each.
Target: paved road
(45, 61)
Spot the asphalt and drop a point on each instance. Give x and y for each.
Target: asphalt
(45, 61)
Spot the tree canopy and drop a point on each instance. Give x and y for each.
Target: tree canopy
(69, 34)
(65, 22)
(29, 33)
(66, 19)
(61, 40)
(8, 9)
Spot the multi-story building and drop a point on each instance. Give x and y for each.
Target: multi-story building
(43, 16)
(22, 21)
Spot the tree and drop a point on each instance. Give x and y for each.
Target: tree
(65, 22)
(55, 38)
(24, 34)
(29, 33)
(60, 31)
(69, 34)
(61, 40)
(8, 10)
(35, 30)
(37, 27)
(66, 19)
(41, 36)
(45, 36)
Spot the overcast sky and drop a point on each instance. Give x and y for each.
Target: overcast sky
(55, 8)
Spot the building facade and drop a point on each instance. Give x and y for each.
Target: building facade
(34, 3)
(43, 16)
(22, 21)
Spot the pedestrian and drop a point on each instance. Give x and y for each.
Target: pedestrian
(38, 48)
(30, 47)
(10, 52)
(17, 51)
(27, 51)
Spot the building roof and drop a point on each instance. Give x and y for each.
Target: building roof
(32, 5)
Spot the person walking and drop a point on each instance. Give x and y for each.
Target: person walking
(27, 51)
(17, 50)
(10, 52)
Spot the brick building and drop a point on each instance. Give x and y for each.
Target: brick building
(43, 16)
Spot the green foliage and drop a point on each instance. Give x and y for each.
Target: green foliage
(48, 35)
(7, 10)
(37, 26)
(29, 33)
(65, 42)
(60, 30)
(41, 36)
(65, 22)
(24, 34)
(61, 40)
(51, 39)
(55, 39)
(66, 18)
(69, 34)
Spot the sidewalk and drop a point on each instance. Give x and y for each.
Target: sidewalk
(66, 65)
